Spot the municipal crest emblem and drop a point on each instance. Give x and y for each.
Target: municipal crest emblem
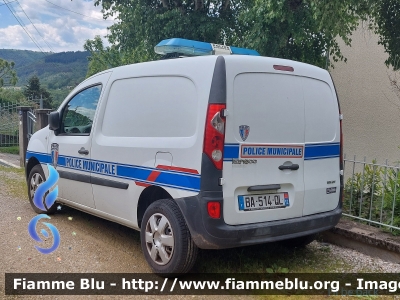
(244, 131)
(54, 154)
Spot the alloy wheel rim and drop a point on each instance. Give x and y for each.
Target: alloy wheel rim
(36, 180)
(159, 239)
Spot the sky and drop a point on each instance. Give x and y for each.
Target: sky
(64, 26)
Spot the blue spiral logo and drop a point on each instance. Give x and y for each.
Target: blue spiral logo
(39, 203)
(35, 236)
(46, 186)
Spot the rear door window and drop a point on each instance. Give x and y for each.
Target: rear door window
(321, 111)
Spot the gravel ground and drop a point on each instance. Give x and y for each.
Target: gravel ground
(118, 250)
(357, 262)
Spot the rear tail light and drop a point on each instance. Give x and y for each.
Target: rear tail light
(214, 209)
(214, 136)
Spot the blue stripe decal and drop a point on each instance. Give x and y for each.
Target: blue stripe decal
(167, 178)
(61, 161)
(321, 151)
(171, 178)
(179, 180)
(231, 151)
(41, 157)
(312, 151)
(133, 173)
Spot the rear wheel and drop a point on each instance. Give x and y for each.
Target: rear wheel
(35, 178)
(299, 242)
(165, 239)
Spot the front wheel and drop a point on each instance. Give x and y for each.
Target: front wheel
(165, 239)
(35, 178)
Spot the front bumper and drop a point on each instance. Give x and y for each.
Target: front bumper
(209, 233)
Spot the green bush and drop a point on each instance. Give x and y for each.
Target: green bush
(392, 199)
(363, 193)
(370, 195)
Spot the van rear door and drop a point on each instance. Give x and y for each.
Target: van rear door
(322, 137)
(264, 146)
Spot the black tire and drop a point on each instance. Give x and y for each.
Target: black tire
(36, 177)
(179, 258)
(299, 242)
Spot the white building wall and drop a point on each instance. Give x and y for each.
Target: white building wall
(371, 109)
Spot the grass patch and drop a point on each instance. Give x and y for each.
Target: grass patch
(14, 181)
(10, 150)
(16, 171)
(262, 258)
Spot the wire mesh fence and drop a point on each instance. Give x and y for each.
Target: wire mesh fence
(372, 193)
(9, 124)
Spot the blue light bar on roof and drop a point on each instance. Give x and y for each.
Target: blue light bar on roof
(195, 48)
(244, 51)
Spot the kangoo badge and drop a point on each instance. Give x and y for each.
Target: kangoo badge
(54, 154)
(244, 131)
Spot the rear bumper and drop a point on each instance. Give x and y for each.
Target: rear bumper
(210, 233)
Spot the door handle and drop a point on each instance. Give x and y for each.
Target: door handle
(83, 151)
(290, 167)
(268, 187)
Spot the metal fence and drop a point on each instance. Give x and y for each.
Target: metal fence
(31, 123)
(372, 193)
(9, 124)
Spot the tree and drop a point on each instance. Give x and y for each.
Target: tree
(301, 30)
(102, 58)
(7, 73)
(33, 90)
(387, 25)
(144, 23)
(11, 96)
(304, 30)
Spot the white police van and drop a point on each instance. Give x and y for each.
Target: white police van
(211, 152)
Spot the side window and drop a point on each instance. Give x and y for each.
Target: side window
(78, 114)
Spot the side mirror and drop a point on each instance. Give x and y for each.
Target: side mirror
(54, 120)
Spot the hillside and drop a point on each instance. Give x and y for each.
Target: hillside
(55, 71)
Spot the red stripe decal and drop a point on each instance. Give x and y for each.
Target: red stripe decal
(170, 168)
(153, 176)
(142, 184)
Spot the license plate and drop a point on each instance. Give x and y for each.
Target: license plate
(265, 201)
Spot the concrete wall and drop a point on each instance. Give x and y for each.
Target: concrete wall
(370, 107)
